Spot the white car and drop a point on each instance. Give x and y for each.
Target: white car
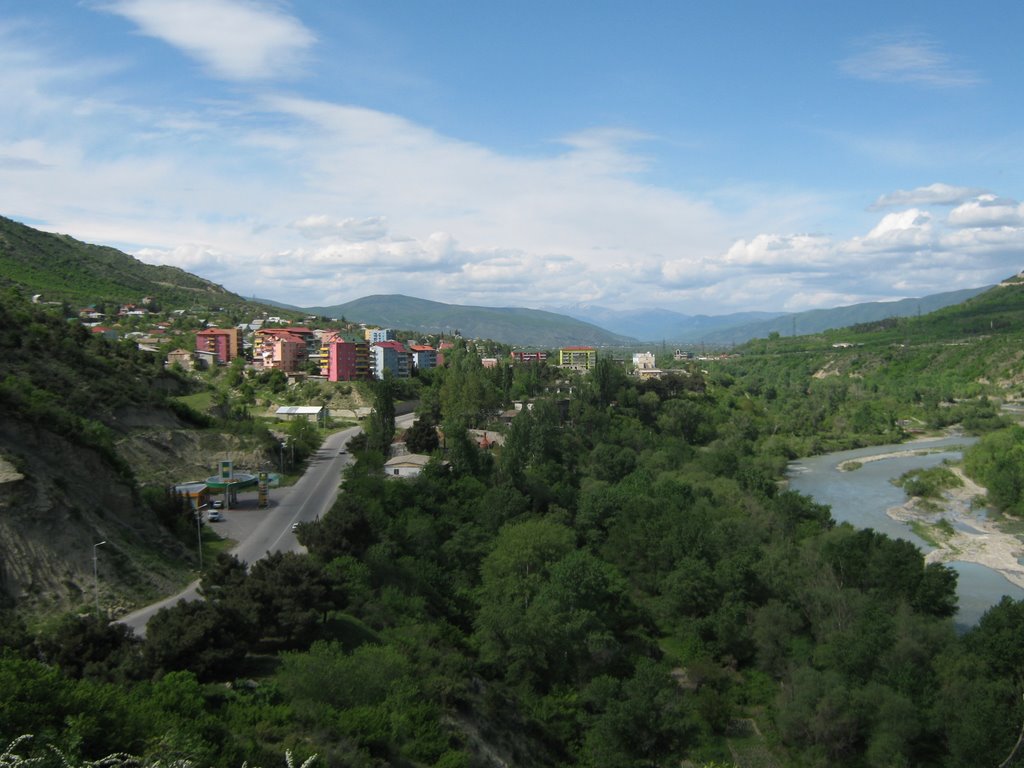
(215, 516)
(217, 504)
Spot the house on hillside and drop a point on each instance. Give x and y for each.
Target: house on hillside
(407, 465)
(182, 357)
(315, 413)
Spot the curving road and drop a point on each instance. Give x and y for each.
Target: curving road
(261, 531)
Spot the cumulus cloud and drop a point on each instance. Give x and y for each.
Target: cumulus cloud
(904, 229)
(232, 39)
(906, 253)
(774, 251)
(906, 59)
(987, 211)
(933, 194)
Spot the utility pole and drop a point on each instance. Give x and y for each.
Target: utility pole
(96, 574)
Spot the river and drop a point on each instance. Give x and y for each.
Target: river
(861, 498)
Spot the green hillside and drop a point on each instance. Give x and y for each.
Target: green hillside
(852, 386)
(61, 268)
(509, 325)
(819, 320)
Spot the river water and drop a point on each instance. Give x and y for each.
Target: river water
(861, 498)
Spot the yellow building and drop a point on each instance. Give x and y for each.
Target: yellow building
(580, 358)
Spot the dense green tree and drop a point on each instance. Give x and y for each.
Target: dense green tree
(198, 637)
(422, 437)
(380, 426)
(292, 595)
(84, 646)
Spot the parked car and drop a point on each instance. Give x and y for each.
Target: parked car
(218, 504)
(215, 516)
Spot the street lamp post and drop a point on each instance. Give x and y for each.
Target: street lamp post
(96, 573)
(199, 536)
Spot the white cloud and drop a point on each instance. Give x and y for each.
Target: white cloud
(899, 230)
(233, 39)
(774, 251)
(351, 230)
(933, 194)
(906, 59)
(987, 211)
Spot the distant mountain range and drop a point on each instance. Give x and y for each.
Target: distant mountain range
(656, 325)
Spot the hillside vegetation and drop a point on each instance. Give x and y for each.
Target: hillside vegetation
(622, 583)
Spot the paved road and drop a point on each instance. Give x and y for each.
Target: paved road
(260, 531)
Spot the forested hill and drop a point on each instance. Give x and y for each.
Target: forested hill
(977, 340)
(509, 325)
(61, 268)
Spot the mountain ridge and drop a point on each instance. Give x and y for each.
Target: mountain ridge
(511, 325)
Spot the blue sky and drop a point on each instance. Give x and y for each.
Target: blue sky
(701, 157)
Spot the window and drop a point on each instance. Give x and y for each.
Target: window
(396, 471)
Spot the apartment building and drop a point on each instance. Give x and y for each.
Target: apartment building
(519, 356)
(378, 335)
(390, 356)
(279, 348)
(578, 358)
(224, 344)
(344, 360)
(424, 357)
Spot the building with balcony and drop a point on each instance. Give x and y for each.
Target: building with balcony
(344, 360)
(577, 358)
(390, 356)
(224, 344)
(424, 357)
(278, 348)
(518, 356)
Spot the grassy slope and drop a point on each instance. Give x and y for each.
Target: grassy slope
(61, 268)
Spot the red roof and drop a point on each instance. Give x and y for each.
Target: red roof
(395, 345)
